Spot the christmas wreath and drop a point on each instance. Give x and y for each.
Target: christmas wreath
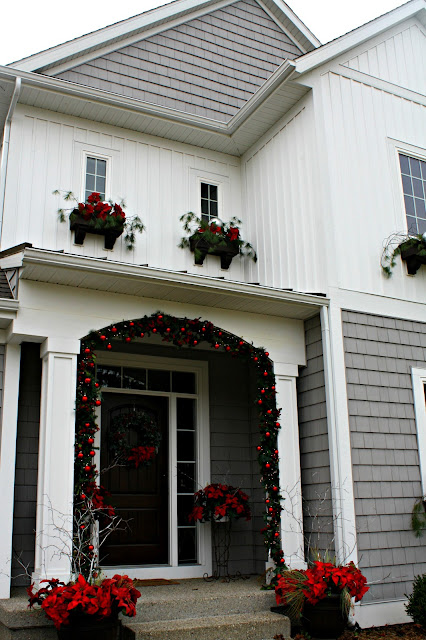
(148, 437)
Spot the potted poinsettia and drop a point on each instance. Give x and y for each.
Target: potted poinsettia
(411, 248)
(100, 218)
(217, 501)
(216, 238)
(85, 610)
(319, 598)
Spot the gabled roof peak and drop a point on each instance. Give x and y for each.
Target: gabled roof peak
(155, 21)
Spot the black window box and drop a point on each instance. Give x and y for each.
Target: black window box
(226, 251)
(80, 226)
(411, 256)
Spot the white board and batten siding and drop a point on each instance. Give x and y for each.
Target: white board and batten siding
(366, 127)
(282, 203)
(159, 181)
(397, 56)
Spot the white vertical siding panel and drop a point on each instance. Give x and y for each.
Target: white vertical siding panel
(400, 59)
(282, 204)
(152, 175)
(365, 212)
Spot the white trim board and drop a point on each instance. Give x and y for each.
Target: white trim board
(377, 614)
(418, 377)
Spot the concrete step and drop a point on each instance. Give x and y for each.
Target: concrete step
(243, 626)
(202, 600)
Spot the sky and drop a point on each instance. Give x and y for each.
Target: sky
(29, 27)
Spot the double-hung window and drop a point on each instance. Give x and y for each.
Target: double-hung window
(209, 201)
(96, 171)
(413, 174)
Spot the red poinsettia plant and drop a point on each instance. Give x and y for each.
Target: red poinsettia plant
(317, 582)
(64, 602)
(217, 501)
(215, 234)
(101, 215)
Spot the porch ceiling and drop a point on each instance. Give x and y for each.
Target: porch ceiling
(114, 277)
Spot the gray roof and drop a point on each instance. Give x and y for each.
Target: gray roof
(209, 66)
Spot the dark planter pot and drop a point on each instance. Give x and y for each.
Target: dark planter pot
(225, 252)
(88, 628)
(413, 260)
(324, 619)
(80, 227)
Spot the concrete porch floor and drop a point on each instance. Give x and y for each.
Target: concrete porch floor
(192, 608)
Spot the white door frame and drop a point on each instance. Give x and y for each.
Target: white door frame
(200, 368)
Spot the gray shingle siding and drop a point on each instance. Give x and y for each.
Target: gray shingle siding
(314, 452)
(24, 516)
(209, 66)
(379, 355)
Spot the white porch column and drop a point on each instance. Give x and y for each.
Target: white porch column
(289, 466)
(56, 459)
(339, 439)
(7, 461)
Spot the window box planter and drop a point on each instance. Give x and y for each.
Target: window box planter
(413, 256)
(80, 227)
(411, 248)
(201, 248)
(100, 218)
(215, 237)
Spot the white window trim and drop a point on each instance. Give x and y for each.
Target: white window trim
(197, 176)
(418, 377)
(200, 368)
(99, 156)
(407, 149)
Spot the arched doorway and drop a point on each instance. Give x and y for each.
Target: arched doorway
(91, 409)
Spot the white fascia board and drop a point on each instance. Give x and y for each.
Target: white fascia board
(290, 15)
(103, 36)
(281, 75)
(177, 279)
(356, 37)
(87, 93)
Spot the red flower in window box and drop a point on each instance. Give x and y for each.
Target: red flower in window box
(100, 218)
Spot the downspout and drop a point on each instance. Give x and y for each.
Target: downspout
(5, 149)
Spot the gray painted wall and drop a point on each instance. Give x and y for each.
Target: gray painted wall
(314, 451)
(379, 355)
(24, 516)
(209, 66)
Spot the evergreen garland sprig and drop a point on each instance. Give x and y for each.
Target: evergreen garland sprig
(183, 332)
(215, 235)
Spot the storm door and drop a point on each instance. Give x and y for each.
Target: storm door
(139, 491)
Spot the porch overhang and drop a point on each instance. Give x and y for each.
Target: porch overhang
(137, 280)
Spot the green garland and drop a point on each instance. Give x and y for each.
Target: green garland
(182, 332)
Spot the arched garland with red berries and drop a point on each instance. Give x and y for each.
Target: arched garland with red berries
(181, 332)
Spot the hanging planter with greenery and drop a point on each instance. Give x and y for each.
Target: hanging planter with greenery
(411, 248)
(216, 238)
(107, 219)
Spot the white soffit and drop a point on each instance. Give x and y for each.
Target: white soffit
(91, 273)
(272, 101)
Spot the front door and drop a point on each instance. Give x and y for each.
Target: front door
(139, 495)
